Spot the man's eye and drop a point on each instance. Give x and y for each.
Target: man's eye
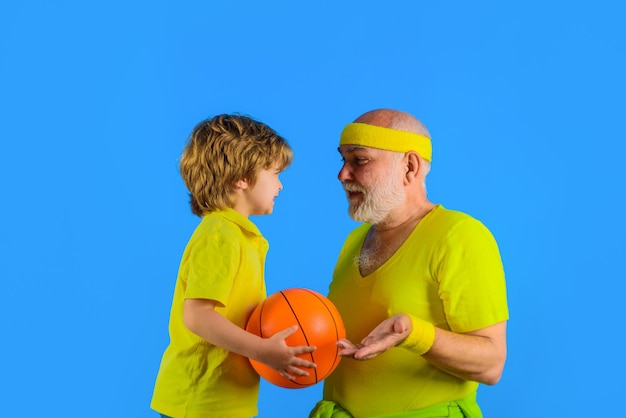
(354, 160)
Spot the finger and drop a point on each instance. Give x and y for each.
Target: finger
(304, 349)
(344, 344)
(347, 352)
(366, 353)
(286, 332)
(298, 371)
(287, 375)
(305, 363)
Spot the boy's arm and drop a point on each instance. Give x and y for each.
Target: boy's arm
(201, 318)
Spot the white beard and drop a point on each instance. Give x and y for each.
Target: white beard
(378, 200)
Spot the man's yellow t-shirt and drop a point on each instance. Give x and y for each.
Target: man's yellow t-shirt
(448, 272)
(223, 261)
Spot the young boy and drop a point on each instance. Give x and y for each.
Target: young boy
(230, 165)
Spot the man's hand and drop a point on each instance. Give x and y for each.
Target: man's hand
(389, 333)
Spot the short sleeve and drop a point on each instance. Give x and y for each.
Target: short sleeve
(213, 265)
(471, 278)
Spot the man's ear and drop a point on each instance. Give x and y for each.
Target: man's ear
(413, 166)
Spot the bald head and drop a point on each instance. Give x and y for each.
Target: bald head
(394, 119)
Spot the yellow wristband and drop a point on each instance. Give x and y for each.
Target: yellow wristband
(421, 337)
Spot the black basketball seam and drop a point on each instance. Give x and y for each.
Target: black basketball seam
(302, 330)
(334, 322)
(261, 309)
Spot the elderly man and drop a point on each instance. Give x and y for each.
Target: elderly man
(421, 288)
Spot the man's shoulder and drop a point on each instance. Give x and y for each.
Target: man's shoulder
(452, 219)
(442, 213)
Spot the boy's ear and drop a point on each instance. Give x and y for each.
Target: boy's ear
(242, 184)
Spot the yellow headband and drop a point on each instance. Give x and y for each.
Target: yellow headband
(387, 139)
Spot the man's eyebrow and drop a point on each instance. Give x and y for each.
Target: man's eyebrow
(352, 148)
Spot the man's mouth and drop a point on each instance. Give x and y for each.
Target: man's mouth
(353, 194)
(352, 191)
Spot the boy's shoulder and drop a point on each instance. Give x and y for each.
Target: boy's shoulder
(227, 222)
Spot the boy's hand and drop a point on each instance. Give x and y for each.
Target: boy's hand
(284, 358)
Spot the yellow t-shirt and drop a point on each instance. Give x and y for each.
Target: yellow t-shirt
(448, 272)
(224, 261)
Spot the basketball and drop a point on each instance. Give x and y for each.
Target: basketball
(319, 325)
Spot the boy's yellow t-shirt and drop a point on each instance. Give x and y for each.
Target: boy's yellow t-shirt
(224, 261)
(448, 272)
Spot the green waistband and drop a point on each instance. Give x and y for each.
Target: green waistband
(468, 406)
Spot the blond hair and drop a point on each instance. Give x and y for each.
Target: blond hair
(223, 150)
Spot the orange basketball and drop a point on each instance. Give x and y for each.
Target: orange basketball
(319, 325)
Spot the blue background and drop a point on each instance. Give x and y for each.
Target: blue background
(525, 102)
